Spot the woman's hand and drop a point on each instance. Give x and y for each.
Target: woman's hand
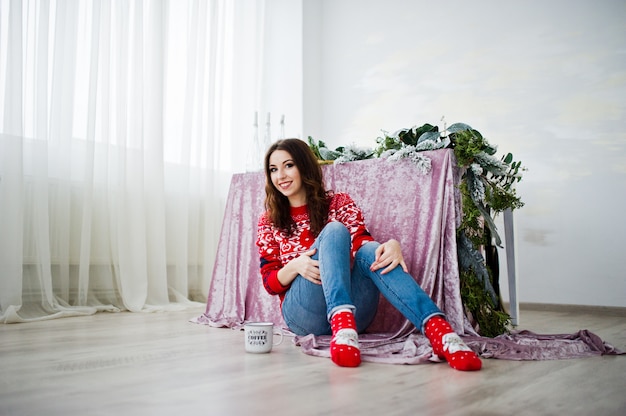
(388, 256)
(302, 265)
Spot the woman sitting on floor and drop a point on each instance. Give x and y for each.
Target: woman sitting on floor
(317, 255)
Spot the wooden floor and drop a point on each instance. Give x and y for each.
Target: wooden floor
(160, 364)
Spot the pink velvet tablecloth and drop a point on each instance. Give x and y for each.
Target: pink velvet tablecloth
(422, 211)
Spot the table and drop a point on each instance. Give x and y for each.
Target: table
(422, 211)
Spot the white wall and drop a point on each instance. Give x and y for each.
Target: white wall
(282, 67)
(545, 80)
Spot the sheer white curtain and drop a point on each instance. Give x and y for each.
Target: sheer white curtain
(119, 123)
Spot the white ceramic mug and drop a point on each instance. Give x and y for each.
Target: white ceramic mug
(259, 337)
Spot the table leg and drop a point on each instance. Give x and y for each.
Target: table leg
(509, 245)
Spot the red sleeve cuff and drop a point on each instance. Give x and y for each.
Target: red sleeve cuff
(274, 284)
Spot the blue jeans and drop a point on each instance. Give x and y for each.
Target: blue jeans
(308, 307)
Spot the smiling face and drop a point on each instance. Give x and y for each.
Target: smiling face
(286, 178)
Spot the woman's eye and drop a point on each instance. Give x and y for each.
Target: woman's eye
(290, 165)
(272, 170)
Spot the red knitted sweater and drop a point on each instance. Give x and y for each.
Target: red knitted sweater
(276, 248)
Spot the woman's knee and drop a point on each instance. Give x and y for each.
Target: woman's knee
(336, 227)
(334, 233)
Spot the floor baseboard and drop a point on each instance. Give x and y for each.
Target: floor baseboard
(554, 307)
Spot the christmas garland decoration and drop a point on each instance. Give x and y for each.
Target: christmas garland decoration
(487, 188)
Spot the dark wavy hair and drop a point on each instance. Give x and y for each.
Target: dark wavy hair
(277, 204)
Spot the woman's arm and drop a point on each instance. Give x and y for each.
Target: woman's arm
(277, 277)
(269, 254)
(302, 265)
(346, 211)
